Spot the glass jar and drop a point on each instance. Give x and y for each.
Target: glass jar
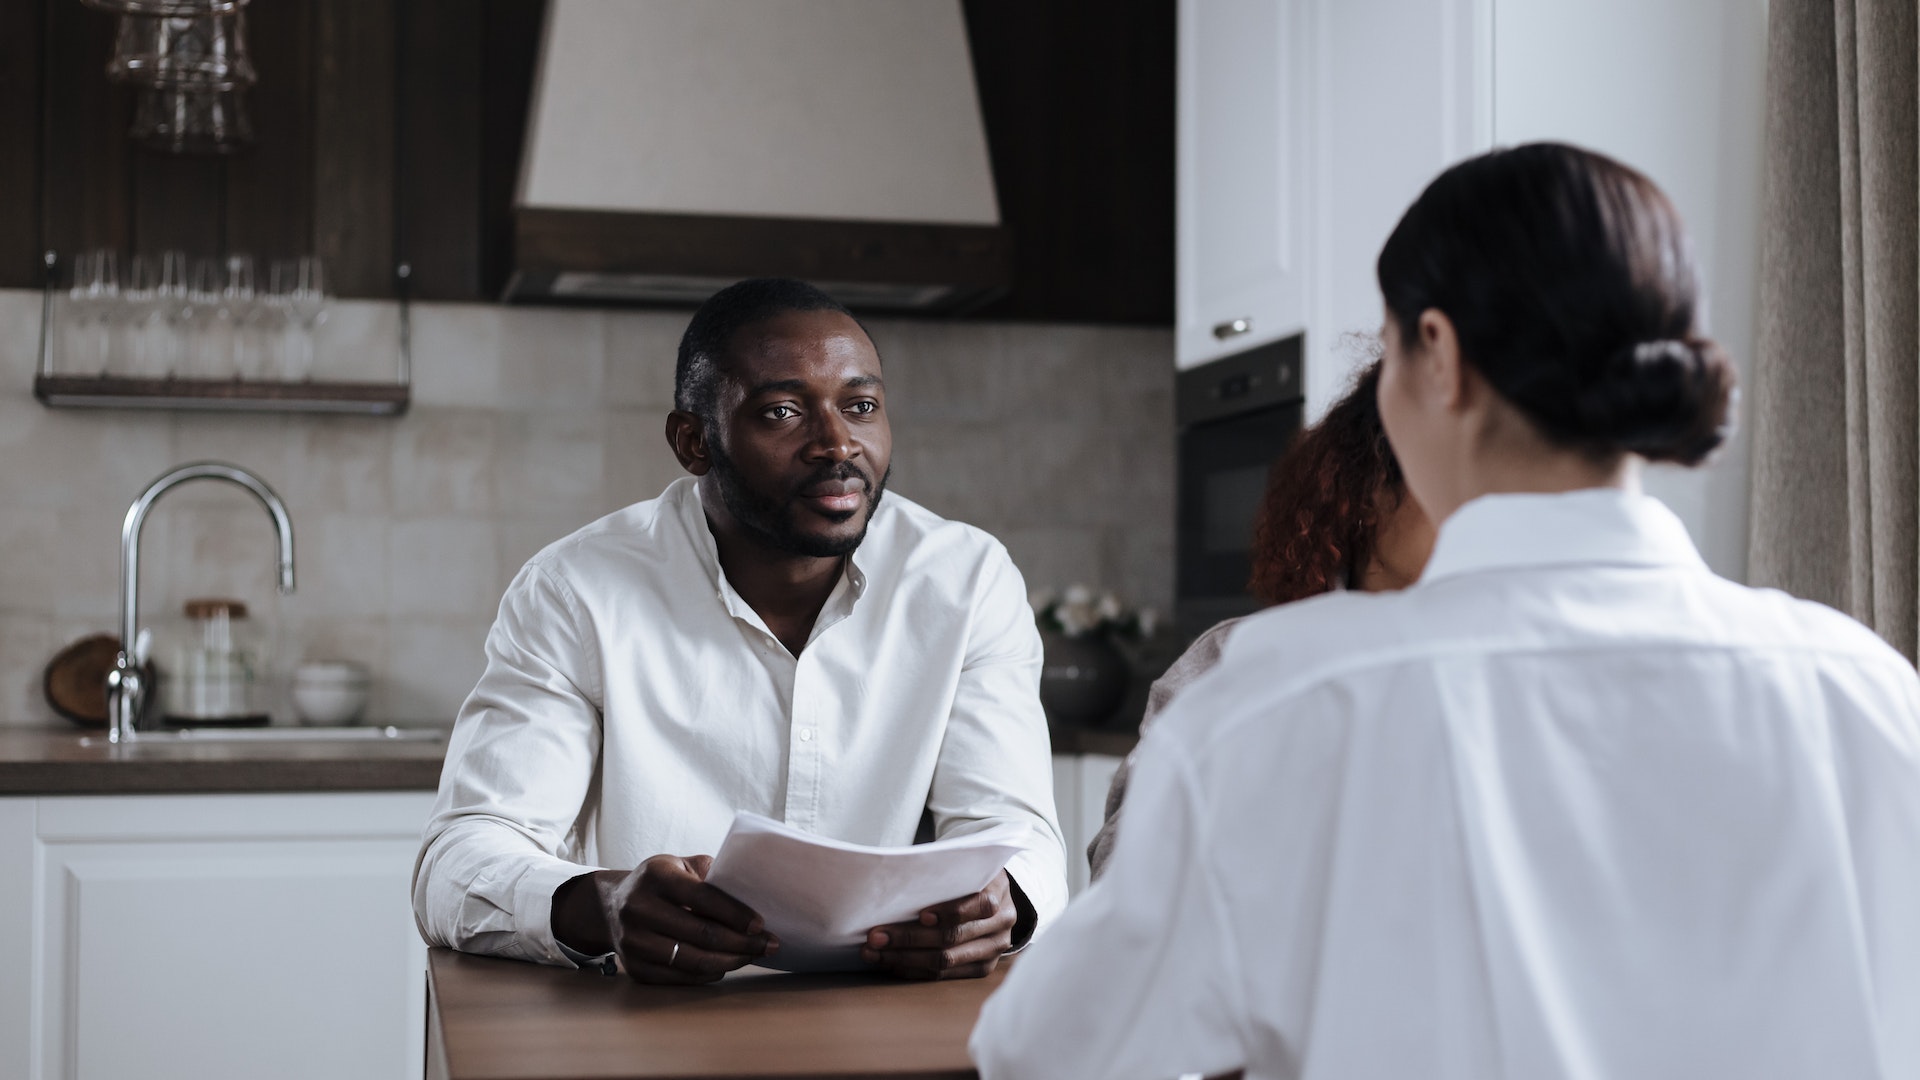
(210, 679)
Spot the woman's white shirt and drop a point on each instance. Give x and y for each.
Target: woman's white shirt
(1572, 806)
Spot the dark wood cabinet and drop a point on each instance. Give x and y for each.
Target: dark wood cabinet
(382, 128)
(391, 130)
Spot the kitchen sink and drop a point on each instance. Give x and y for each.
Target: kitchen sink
(202, 736)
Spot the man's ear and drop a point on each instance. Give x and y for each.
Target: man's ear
(1440, 355)
(687, 434)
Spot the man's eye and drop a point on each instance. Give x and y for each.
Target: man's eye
(781, 412)
(865, 407)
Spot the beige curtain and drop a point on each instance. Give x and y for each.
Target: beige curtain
(1833, 397)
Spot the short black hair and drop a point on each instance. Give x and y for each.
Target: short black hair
(696, 372)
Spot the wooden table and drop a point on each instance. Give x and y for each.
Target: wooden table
(493, 1019)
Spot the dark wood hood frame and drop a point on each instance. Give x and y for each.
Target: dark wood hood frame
(973, 262)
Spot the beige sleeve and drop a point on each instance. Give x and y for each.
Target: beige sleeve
(1199, 658)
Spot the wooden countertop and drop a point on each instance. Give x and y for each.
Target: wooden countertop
(491, 1019)
(53, 761)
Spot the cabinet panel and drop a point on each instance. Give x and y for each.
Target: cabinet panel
(1402, 90)
(1066, 807)
(1080, 783)
(211, 935)
(1242, 175)
(18, 918)
(196, 959)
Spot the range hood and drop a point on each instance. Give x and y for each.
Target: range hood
(675, 146)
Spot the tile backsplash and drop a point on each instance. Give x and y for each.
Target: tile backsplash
(526, 424)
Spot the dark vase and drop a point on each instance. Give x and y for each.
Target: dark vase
(1082, 680)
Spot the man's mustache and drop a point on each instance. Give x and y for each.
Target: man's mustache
(846, 470)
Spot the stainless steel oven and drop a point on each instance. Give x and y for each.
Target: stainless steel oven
(1235, 416)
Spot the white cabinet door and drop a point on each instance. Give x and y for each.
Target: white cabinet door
(1401, 89)
(1241, 269)
(1080, 783)
(19, 1005)
(1066, 808)
(228, 936)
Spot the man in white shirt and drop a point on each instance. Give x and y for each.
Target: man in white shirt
(767, 635)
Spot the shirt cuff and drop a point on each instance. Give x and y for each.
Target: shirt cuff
(533, 910)
(1042, 882)
(604, 963)
(1025, 919)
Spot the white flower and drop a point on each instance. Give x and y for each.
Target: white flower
(1149, 621)
(1079, 594)
(1085, 618)
(1109, 607)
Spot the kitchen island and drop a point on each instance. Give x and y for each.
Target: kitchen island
(494, 1019)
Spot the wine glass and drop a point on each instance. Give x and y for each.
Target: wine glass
(197, 317)
(140, 315)
(303, 284)
(175, 311)
(276, 321)
(92, 299)
(236, 320)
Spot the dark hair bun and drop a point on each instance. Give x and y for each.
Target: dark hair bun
(1667, 400)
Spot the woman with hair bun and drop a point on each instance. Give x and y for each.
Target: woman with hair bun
(1569, 806)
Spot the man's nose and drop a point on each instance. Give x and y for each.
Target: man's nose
(832, 439)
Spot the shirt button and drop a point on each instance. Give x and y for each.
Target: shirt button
(806, 734)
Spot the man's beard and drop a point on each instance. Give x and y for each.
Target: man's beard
(771, 517)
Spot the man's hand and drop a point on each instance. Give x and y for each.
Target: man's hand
(960, 939)
(664, 922)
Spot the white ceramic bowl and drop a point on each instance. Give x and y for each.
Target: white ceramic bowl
(330, 692)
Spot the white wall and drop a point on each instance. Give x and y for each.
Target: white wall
(1675, 88)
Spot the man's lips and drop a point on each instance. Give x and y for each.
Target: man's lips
(835, 496)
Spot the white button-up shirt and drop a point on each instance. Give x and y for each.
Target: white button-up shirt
(632, 702)
(1571, 806)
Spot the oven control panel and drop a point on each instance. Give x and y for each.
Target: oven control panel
(1261, 377)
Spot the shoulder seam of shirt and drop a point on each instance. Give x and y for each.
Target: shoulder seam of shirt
(1309, 681)
(576, 614)
(993, 559)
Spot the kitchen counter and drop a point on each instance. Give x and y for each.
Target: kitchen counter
(509, 1020)
(52, 761)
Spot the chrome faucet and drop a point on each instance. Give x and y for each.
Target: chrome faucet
(126, 684)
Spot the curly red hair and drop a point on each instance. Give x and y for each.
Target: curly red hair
(1321, 513)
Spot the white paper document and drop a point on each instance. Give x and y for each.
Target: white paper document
(821, 896)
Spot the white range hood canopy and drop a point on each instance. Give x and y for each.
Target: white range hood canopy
(676, 145)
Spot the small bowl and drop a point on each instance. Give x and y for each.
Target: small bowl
(330, 692)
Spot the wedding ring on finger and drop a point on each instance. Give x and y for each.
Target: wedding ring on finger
(674, 955)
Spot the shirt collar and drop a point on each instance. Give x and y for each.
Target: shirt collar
(1596, 526)
(693, 513)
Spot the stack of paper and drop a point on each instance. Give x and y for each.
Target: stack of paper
(821, 896)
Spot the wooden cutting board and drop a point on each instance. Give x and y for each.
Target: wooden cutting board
(76, 679)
